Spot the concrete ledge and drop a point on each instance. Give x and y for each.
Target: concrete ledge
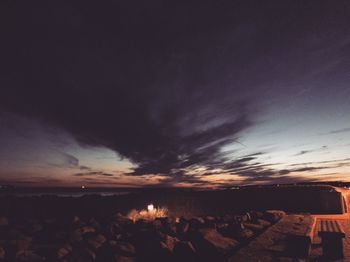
(290, 238)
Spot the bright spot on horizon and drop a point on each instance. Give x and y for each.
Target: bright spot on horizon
(150, 207)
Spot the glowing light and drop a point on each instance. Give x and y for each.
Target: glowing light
(150, 208)
(150, 213)
(82, 187)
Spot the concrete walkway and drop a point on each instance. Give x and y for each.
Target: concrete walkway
(316, 249)
(343, 220)
(287, 240)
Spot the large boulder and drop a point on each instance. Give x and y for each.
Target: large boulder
(87, 229)
(94, 223)
(184, 251)
(273, 215)
(182, 227)
(243, 234)
(257, 228)
(64, 251)
(96, 241)
(122, 220)
(170, 242)
(116, 251)
(150, 245)
(196, 223)
(210, 221)
(78, 234)
(263, 222)
(210, 244)
(123, 248)
(255, 215)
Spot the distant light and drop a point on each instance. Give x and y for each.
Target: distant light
(82, 187)
(150, 207)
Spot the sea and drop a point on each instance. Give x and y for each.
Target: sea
(63, 192)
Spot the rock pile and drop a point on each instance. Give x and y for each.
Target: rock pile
(117, 238)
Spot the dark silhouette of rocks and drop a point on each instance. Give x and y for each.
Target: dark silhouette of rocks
(200, 226)
(117, 238)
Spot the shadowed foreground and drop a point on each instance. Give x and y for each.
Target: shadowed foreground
(199, 226)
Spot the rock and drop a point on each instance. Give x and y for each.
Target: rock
(4, 221)
(210, 221)
(94, 223)
(209, 242)
(115, 229)
(81, 254)
(238, 231)
(222, 227)
(119, 258)
(157, 224)
(122, 220)
(182, 227)
(254, 227)
(143, 224)
(165, 224)
(255, 215)
(170, 242)
(246, 217)
(28, 255)
(150, 246)
(123, 248)
(87, 229)
(273, 215)
(228, 218)
(184, 251)
(196, 223)
(76, 235)
(96, 241)
(2, 253)
(263, 222)
(63, 251)
(243, 234)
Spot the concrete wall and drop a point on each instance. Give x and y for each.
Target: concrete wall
(312, 200)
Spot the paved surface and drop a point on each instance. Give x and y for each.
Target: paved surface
(343, 220)
(316, 250)
(287, 240)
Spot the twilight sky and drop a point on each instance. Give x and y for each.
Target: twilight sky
(172, 93)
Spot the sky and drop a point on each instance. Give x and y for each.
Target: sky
(174, 93)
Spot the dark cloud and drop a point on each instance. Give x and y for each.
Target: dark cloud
(165, 85)
(93, 173)
(330, 163)
(84, 168)
(64, 160)
(158, 106)
(303, 152)
(343, 130)
(70, 160)
(278, 180)
(311, 168)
